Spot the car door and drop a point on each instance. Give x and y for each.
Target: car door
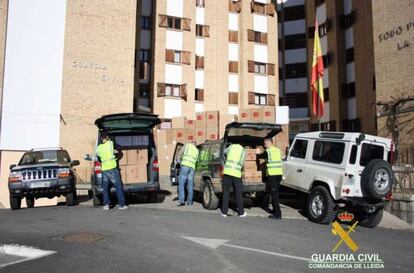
(175, 164)
(201, 165)
(295, 165)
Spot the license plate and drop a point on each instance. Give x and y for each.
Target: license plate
(34, 185)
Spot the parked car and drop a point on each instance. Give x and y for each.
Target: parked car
(349, 171)
(209, 169)
(129, 131)
(42, 173)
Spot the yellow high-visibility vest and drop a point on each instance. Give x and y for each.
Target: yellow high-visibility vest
(190, 156)
(235, 160)
(106, 152)
(274, 161)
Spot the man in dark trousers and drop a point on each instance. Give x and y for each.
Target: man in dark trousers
(232, 178)
(274, 172)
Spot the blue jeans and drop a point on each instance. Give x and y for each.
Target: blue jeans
(112, 177)
(186, 176)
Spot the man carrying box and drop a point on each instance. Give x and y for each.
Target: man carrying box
(232, 178)
(274, 174)
(188, 162)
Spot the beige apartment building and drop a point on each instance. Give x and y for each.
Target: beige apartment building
(66, 63)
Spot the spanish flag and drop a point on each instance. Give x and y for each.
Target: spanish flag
(317, 76)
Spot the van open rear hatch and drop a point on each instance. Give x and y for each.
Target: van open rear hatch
(127, 121)
(247, 132)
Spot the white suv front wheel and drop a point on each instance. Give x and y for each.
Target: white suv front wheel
(320, 206)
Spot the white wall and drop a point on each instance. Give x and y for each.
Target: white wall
(233, 52)
(199, 79)
(260, 84)
(233, 83)
(233, 22)
(260, 53)
(33, 74)
(199, 16)
(199, 47)
(175, 8)
(173, 74)
(174, 40)
(172, 108)
(259, 23)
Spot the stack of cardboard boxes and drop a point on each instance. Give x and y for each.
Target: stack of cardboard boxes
(134, 165)
(266, 114)
(252, 167)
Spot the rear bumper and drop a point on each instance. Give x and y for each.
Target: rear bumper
(133, 188)
(247, 187)
(366, 205)
(57, 187)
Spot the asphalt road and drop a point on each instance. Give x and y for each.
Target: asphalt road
(144, 239)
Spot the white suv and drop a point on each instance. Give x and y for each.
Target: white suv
(350, 171)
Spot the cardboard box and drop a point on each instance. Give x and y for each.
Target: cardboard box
(200, 135)
(244, 115)
(190, 135)
(255, 114)
(201, 120)
(164, 168)
(212, 118)
(165, 136)
(166, 152)
(268, 114)
(136, 173)
(178, 122)
(250, 166)
(123, 171)
(250, 155)
(179, 135)
(122, 158)
(212, 134)
(253, 176)
(226, 119)
(190, 124)
(137, 156)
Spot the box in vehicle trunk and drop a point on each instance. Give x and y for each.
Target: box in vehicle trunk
(190, 135)
(190, 124)
(212, 118)
(122, 158)
(201, 120)
(253, 176)
(212, 133)
(200, 135)
(178, 122)
(250, 166)
(123, 171)
(139, 156)
(250, 154)
(166, 151)
(244, 115)
(136, 173)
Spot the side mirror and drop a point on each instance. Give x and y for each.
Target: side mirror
(75, 163)
(12, 166)
(87, 157)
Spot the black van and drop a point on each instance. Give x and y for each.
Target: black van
(208, 173)
(129, 131)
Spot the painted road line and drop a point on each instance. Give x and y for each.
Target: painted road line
(19, 253)
(216, 243)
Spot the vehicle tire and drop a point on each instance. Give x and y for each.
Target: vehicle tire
(377, 179)
(152, 197)
(71, 199)
(15, 203)
(210, 199)
(30, 202)
(96, 201)
(320, 206)
(371, 220)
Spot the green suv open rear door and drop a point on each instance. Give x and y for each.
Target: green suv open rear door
(127, 121)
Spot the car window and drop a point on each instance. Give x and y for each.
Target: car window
(203, 154)
(327, 151)
(299, 148)
(215, 152)
(353, 155)
(370, 152)
(39, 157)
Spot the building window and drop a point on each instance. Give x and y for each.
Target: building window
(256, 36)
(261, 99)
(323, 29)
(233, 36)
(352, 125)
(145, 22)
(233, 98)
(326, 94)
(294, 13)
(297, 70)
(200, 3)
(261, 8)
(172, 90)
(295, 41)
(202, 31)
(144, 55)
(234, 6)
(349, 55)
(199, 62)
(233, 66)
(144, 91)
(261, 68)
(296, 100)
(176, 56)
(324, 126)
(328, 151)
(174, 22)
(347, 20)
(144, 71)
(199, 94)
(348, 90)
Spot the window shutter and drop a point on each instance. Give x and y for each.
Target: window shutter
(183, 92)
(271, 100)
(163, 21)
(233, 36)
(251, 97)
(238, 6)
(270, 8)
(263, 39)
(233, 98)
(186, 57)
(270, 69)
(161, 89)
(186, 24)
(206, 31)
(250, 35)
(199, 62)
(169, 55)
(199, 94)
(250, 66)
(233, 66)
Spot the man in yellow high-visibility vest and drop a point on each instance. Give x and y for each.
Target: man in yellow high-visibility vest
(188, 164)
(110, 172)
(232, 178)
(274, 172)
